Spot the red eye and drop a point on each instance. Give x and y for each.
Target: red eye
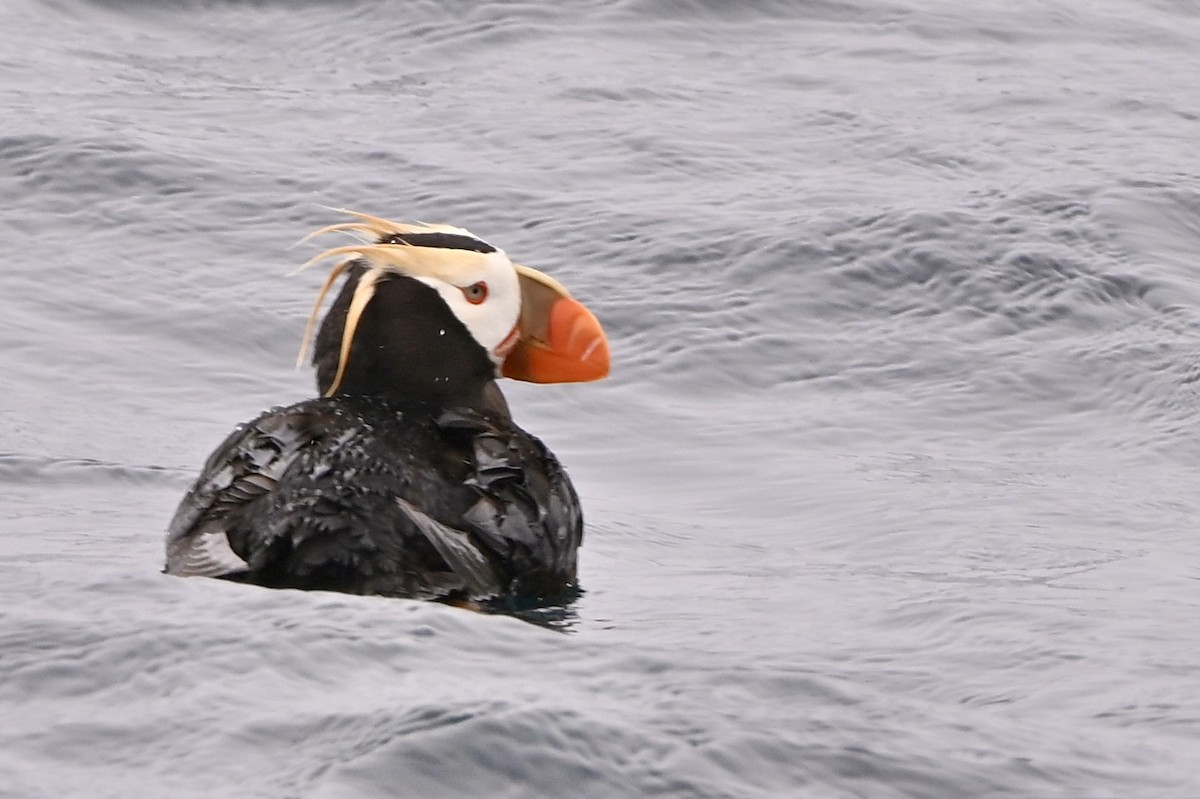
(476, 292)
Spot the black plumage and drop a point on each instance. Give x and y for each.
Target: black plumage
(413, 480)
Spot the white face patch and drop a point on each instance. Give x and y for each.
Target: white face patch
(491, 321)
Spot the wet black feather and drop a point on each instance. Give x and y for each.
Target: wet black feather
(330, 520)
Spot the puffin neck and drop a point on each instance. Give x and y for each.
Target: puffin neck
(408, 348)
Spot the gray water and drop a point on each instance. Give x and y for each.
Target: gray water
(893, 490)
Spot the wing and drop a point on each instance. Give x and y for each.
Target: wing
(465, 559)
(243, 469)
(527, 511)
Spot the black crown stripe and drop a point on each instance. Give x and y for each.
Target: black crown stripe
(445, 241)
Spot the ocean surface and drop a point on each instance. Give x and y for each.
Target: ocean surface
(894, 490)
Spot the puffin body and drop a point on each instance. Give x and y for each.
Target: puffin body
(408, 476)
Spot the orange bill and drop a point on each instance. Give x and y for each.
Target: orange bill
(560, 340)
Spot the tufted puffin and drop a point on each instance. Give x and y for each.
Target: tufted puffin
(407, 476)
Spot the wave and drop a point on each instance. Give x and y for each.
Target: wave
(18, 469)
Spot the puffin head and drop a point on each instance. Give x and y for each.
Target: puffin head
(435, 310)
